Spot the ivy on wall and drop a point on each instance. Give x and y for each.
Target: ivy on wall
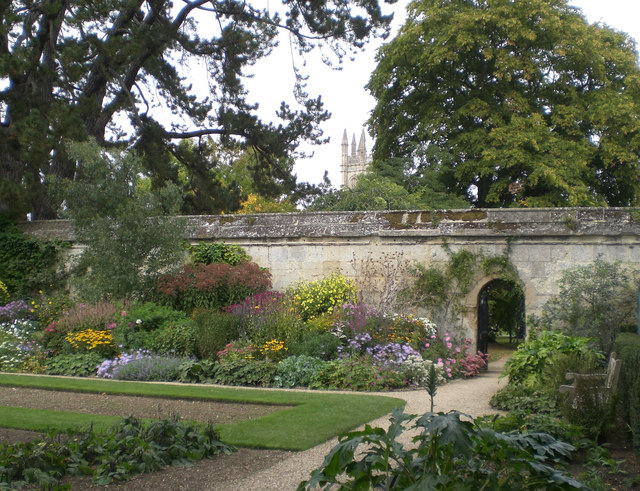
(441, 289)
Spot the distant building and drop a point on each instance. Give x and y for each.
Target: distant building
(354, 163)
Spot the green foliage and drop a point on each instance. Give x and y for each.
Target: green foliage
(149, 316)
(493, 100)
(90, 80)
(75, 365)
(448, 453)
(214, 330)
(267, 316)
(298, 371)
(213, 286)
(534, 422)
(96, 316)
(130, 241)
(179, 337)
(530, 357)
(357, 373)
(155, 368)
(371, 192)
(28, 264)
(596, 301)
(244, 372)
(530, 398)
(314, 298)
(440, 289)
(128, 448)
(197, 371)
(628, 352)
(4, 294)
(323, 345)
(217, 252)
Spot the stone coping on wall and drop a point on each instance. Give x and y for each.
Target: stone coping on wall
(474, 222)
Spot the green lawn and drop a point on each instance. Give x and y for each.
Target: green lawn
(315, 417)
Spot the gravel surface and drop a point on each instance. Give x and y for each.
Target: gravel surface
(470, 396)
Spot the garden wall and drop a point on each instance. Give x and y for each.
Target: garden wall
(541, 243)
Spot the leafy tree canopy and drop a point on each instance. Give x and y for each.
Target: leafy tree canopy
(387, 187)
(511, 103)
(110, 70)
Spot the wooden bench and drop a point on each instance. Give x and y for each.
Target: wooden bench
(599, 386)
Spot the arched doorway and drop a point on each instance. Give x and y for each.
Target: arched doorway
(501, 312)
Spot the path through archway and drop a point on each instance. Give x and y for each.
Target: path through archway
(501, 312)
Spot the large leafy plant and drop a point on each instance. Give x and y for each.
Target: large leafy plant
(448, 453)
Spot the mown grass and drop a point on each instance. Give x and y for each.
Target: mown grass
(315, 417)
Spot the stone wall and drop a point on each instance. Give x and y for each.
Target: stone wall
(542, 242)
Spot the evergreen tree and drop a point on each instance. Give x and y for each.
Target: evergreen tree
(75, 69)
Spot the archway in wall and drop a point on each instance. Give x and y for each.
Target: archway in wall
(501, 312)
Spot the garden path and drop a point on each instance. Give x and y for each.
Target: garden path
(469, 396)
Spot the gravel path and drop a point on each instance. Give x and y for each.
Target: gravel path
(469, 396)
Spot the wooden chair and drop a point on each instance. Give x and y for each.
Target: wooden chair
(599, 386)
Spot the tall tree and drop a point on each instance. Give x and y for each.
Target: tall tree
(74, 69)
(513, 103)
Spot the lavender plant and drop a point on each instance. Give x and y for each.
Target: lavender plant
(142, 365)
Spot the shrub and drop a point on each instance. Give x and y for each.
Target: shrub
(150, 316)
(107, 368)
(298, 371)
(130, 236)
(28, 264)
(197, 371)
(143, 366)
(244, 372)
(237, 350)
(212, 286)
(358, 373)
(214, 330)
(530, 357)
(76, 365)
(97, 316)
(314, 298)
(266, 316)
(449, 453)
(51, 308)
(216, 252)
(177, 337)
(595, 301)
(526, 397)
(628, 352)
(456, 360)
(525, 421)
(316, 344)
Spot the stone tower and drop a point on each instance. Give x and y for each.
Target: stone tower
(354, 163)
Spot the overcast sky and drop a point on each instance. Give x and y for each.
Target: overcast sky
(350, 104)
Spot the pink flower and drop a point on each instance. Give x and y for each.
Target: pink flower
(123, 313)
(426, 345)
(112, 325)
(449, 345)
(457, 349)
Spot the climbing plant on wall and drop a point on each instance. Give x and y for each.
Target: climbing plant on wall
(440, 289)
